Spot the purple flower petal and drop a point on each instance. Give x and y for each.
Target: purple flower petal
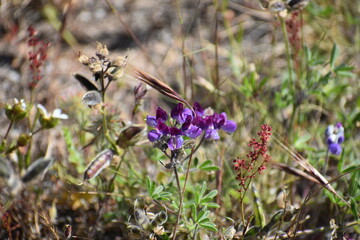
(341, 139)
(175, 142)
(331, 139)
(229, 126)
(193, 132)
(154, 135)
(151, 121)
(212, 134)
(335, 148)
(329, 130)
(176, 111)
(175, 131)
(203, 123)
(187, 113)
(163, 128)
(161, 114)
(198, 109)
(219, 120)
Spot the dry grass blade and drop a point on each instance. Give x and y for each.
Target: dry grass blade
(160, 86)
(313, 171)
(294, 171)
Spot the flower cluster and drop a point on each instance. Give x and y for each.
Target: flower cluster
(334, 137)
(37, 56)
(246, 169)
(186, 123)
(102, 65)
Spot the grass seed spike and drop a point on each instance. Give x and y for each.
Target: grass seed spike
(160, 86)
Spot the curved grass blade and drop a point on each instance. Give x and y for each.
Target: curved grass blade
(86, 83)
(39, 166)
(101, 161)
(313, 171)
(160, 86)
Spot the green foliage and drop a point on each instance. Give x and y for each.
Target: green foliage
(157, 192)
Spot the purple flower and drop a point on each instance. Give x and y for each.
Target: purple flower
(181, 114)
(161, 116)
(335, 148)
(213, 123)
(187, 122)
(154, 135)
(334, 137)
(199, 111)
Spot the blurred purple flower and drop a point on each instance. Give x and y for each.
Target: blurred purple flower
(334, 137)
(187, 123)
(181, 114)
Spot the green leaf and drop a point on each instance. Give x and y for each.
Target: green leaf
(212, 205)
(202, 191)
(158, 190)
(209, 225)
(334, 55)
(300, 143)
(150, 185)
(208, 197)
(202, 214)
(208, 166)
(354, 188)
(194, 211)
(354, 208)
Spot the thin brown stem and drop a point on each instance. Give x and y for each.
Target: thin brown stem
(8, 129)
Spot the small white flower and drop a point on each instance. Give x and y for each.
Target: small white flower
(22, 103)
(43, 110)
(56, 113)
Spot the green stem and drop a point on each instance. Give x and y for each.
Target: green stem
(326, 162)
(181, 192)
(111, 182)
(181, 201)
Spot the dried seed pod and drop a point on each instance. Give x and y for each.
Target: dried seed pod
(14, 184)
(39, 166)
(141, 218)
(297, 4)
(92, 98)
(6, 169)
(159, 219)
(101, 161)
(229, 233)
(129, 136)
(68, 231)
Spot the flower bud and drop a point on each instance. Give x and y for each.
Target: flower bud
(23, 140)
(102, 50)
(84, 59)
(17, 111)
